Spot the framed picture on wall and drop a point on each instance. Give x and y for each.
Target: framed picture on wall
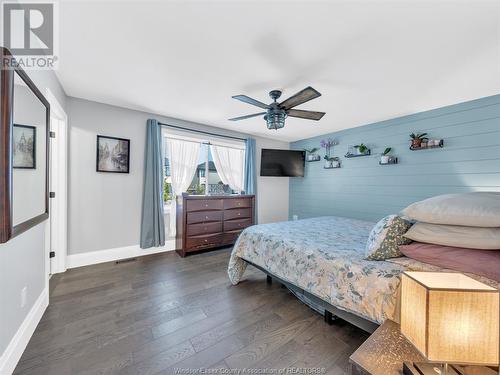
(113, 154)
(24, 146)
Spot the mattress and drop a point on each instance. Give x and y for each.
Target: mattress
(324, 256)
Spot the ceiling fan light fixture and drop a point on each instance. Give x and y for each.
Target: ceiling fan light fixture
(275, 119)
(276, 113)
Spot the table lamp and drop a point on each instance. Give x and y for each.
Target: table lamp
(450, 318)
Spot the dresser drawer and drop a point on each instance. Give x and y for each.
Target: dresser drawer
(200, 242)
(237, 203)
(203, 217)
(204, 204)
(238, 213)
(231, 237)
(204, 228)
(230, 225)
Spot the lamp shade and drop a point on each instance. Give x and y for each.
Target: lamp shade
(450, 317)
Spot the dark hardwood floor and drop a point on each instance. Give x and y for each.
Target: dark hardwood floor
(162, 313)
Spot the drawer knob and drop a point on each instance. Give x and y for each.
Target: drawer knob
(206, 217)
(206, 204)
(239, 203)
(239, 225)
(239, 213)
(206, 240)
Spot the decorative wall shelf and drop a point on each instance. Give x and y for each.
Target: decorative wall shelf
(440, 145)
(391, 161)
(349, 155)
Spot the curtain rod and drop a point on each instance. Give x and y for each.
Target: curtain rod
(200, 131)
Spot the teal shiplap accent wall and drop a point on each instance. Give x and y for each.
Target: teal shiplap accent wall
(469, 161)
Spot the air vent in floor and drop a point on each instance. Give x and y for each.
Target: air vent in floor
(126, 260)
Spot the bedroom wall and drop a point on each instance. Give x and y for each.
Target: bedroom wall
(105, 208)
(469, 161)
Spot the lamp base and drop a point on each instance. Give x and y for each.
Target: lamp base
(426, 368)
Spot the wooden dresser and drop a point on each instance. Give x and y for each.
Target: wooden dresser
(205, 222)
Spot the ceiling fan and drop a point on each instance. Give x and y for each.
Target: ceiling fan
(276, 113)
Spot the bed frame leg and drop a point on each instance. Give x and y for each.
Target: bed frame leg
(328, 317)
(269, 279)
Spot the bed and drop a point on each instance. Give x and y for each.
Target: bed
(323, 257)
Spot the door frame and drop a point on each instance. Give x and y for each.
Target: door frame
(58, 221)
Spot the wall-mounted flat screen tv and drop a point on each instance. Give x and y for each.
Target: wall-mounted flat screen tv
(282, 163)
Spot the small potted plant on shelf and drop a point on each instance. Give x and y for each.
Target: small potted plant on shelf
(335, 162)
(331, 162)
(327, 144)
(361, 149)
(384, 158)
(417, 139)
(311, 154)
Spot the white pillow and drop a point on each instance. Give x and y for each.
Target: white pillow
(480, 209)
(457, 236)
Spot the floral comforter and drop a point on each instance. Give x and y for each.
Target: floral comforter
(324, 256)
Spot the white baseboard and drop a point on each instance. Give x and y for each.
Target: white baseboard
(110, 255)
(16, 347)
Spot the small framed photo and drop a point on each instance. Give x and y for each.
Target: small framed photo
(113, 154)
(24, 146)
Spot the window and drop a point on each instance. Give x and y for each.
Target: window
(197, 186)
(206, 179)
(215, 184)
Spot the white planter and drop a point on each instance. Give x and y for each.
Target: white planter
(328, 164)
(384, 159)
(313, 157)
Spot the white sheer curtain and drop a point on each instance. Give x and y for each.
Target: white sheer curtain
(183, 157)
(229, 163)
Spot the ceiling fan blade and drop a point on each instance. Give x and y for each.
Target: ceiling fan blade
(249, 100)
(301, 97)
(309, 115)
(247, 116)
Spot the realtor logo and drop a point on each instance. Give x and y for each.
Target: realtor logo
(29, 32)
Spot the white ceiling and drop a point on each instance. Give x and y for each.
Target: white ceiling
(371, 60)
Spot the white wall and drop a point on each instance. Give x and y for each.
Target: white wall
(105, 208)
(22, 264)
(23, 259)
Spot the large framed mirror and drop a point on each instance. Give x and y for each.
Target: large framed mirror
(24, 151)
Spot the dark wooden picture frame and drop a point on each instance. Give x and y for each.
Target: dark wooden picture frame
(127, 164)
(34, 145)
(8, 69)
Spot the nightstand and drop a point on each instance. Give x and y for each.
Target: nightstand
(385, 351)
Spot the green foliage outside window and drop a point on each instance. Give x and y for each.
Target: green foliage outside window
(200, 189)
(167, 192)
